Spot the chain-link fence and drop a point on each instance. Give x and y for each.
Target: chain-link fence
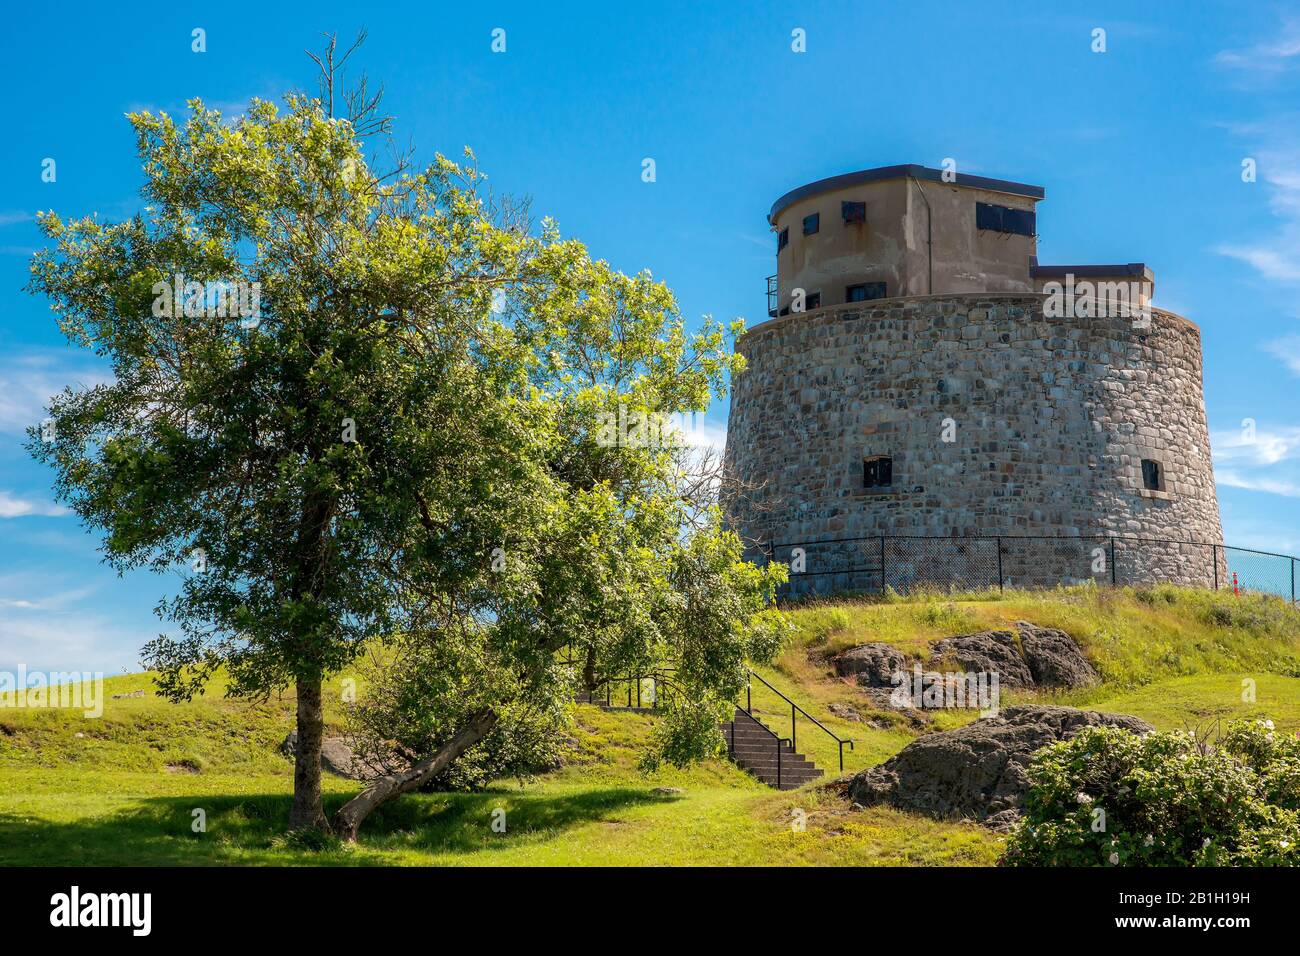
(906, 563)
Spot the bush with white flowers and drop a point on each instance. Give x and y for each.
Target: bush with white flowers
(1108, 797)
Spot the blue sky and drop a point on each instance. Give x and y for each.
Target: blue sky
(1139, 148)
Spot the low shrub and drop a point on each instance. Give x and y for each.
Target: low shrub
(1108, 797)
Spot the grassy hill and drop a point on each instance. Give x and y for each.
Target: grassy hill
(122, 789)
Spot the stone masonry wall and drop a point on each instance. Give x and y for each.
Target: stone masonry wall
(1050, 418)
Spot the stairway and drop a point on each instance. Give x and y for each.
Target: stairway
(755, 750)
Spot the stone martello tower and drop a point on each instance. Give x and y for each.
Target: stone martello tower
(920, 374)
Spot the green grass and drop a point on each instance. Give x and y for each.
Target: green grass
(122, 789)
(67, 805)
(549, 824)
(1132, 636)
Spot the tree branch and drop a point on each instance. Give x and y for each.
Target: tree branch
(390, 786)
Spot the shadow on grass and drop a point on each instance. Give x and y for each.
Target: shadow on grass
(250, 830)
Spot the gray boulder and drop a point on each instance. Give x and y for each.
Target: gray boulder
(336, 756)
(1041, 657)
(1054, 659)
(977, 772)
(990, 652)
(872, 664)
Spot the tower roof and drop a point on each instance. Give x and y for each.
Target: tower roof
(899, 172)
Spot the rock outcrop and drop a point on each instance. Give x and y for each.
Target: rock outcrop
(1033, 657)
(872, 664)
(1054, 658)
(989, 652)
(977, 772)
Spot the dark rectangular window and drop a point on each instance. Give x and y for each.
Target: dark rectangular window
(1019, 221)
(1004, 219)
(811, 223)
(812, 301)
(853, 211)
(1152, 479)
(864, 291)
(877, 472)
(783, 239)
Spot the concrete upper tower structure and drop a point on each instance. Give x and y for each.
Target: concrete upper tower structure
(921, 374)
(898, 231)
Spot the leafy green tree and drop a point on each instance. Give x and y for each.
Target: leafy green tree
(395, 428)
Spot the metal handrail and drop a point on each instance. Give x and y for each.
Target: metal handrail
(773, 734)
(795, 708)
(658, 676)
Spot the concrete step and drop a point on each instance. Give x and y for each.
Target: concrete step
(754, 748)
(788, 781)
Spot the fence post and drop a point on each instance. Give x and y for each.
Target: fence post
(1214, 557)
(1293, 580)
(1000, 588)
(1114, 578)
(882, 564)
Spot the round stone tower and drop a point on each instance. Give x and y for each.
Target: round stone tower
(921, 376)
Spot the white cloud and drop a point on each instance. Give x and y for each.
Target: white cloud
(1276, 256)
(30, 381)
(33, 585)
(705, 435)
(1277, 53)
(1287, 349)
(1272, 486)
(11, 507)
(1265, 461)
(1267, 447)
(1279, 264)
(49, 620)
(1274, 144)
(67, 641)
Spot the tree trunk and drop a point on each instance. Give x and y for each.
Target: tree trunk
(589, 671)
(382, 789)
(307, 812)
